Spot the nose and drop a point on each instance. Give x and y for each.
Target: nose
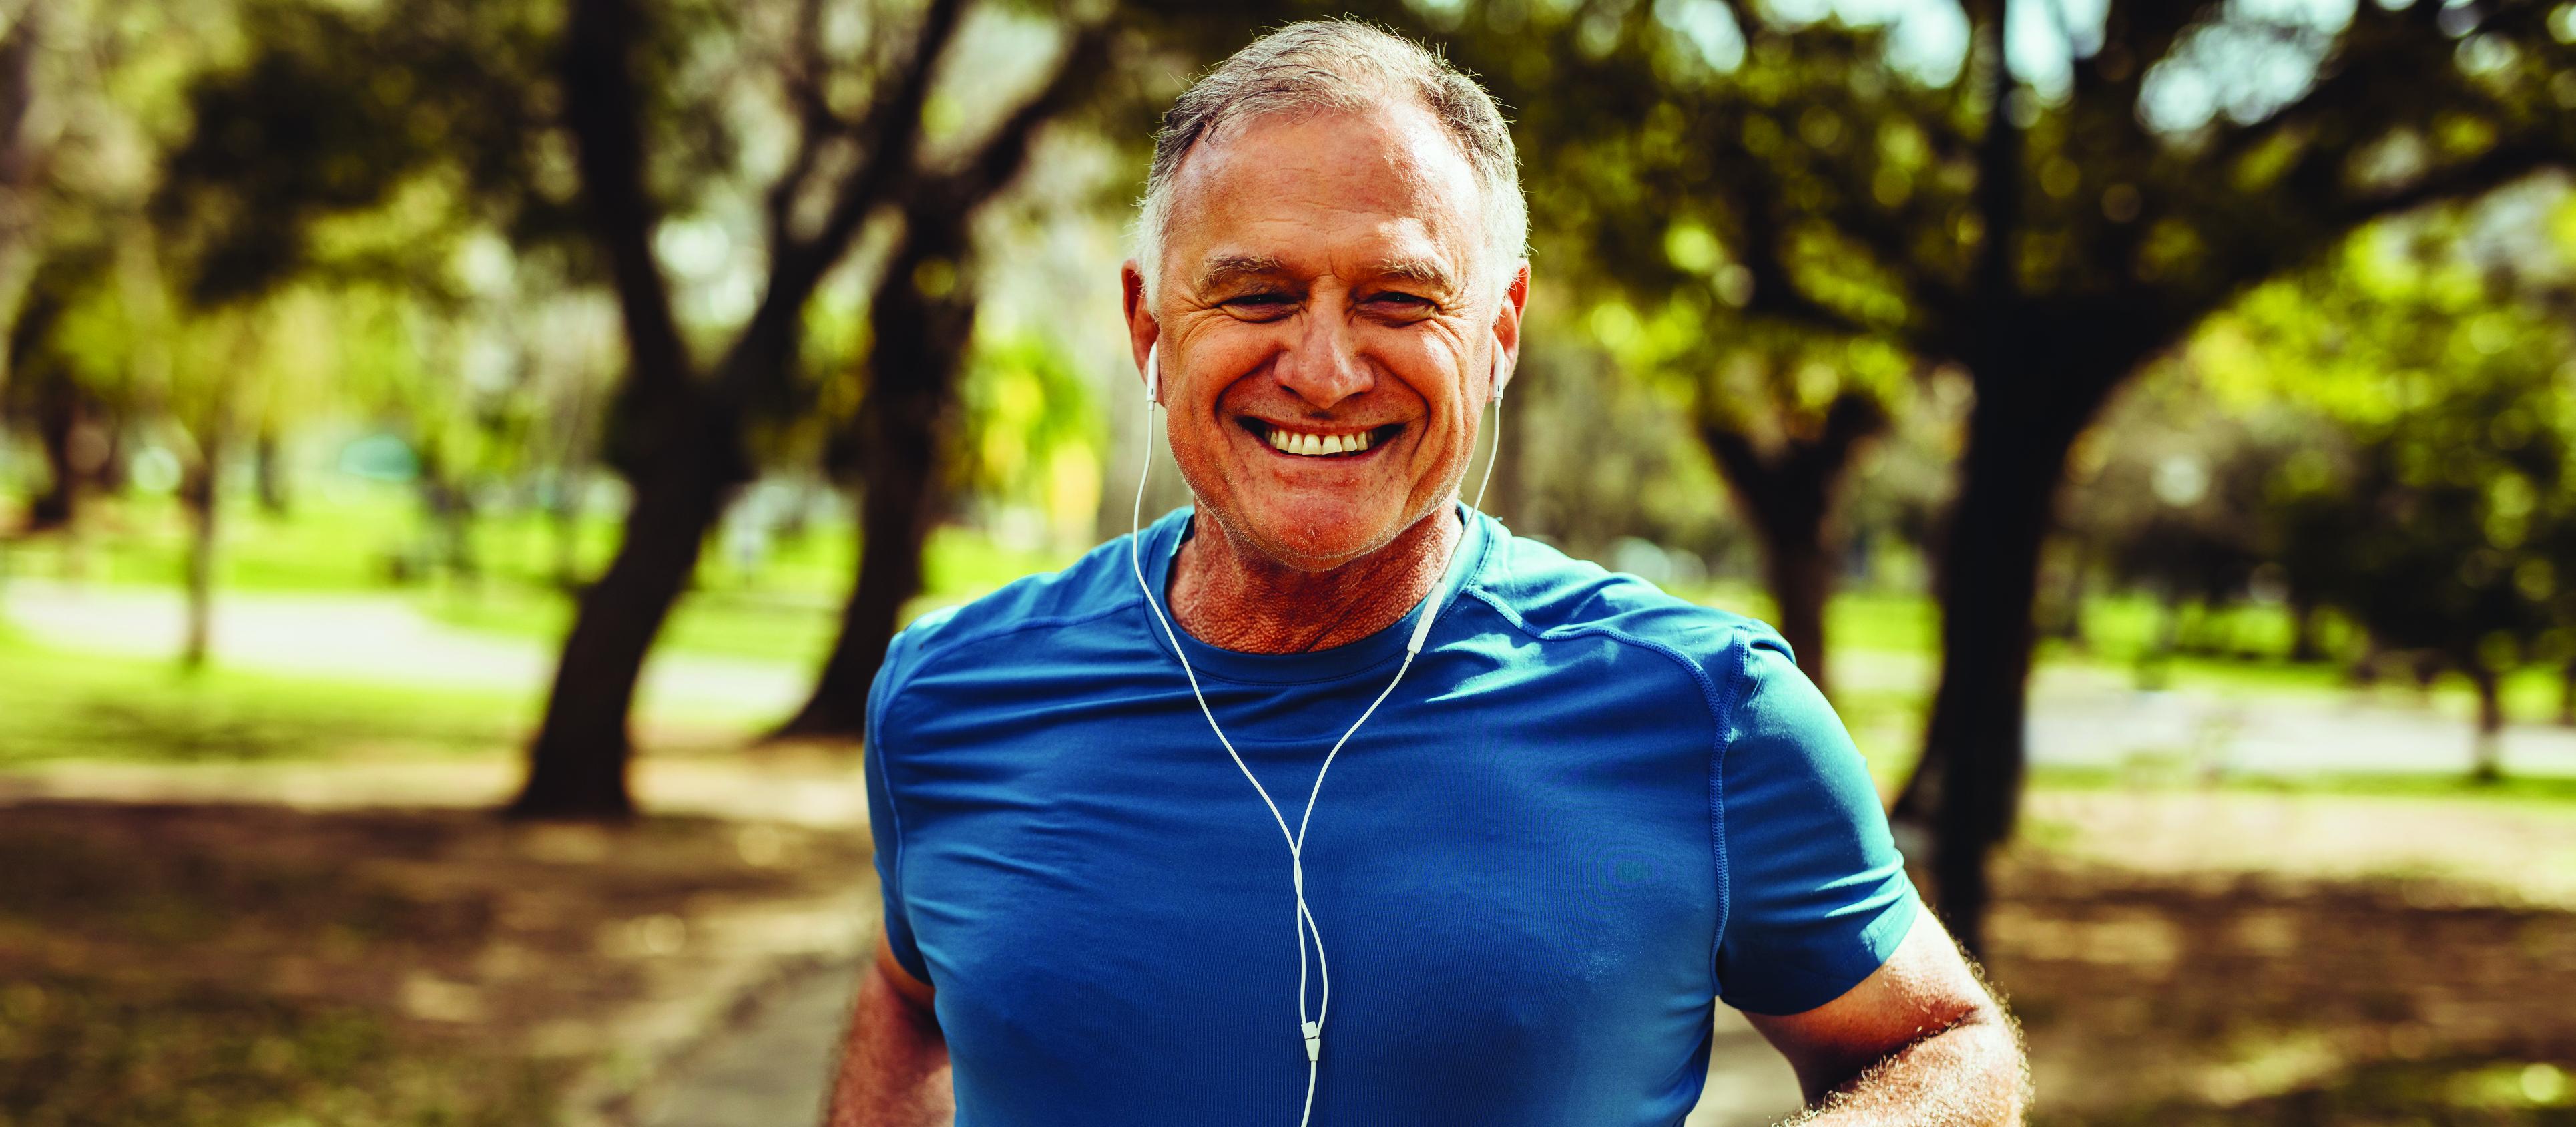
(1323, 367)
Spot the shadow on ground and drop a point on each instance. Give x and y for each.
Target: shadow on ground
(2154, 998)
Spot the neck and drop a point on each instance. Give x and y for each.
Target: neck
(1231, 596)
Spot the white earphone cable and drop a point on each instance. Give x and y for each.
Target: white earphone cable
(1305, 917)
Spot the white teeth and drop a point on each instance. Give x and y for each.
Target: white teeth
(1317, 445)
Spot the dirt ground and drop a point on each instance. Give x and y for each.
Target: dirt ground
(2177, 958)
(2209, 958)
(219, 965)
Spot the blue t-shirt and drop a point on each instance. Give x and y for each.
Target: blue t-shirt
(1590, 809)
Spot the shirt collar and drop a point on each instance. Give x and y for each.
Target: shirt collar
(1163, 543)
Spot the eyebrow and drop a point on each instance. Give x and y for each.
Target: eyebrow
(1420, 271)
(1226, 269)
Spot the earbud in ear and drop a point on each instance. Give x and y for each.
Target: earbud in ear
(1501, 379)
(1153, 373)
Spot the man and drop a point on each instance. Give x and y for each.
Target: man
(1581, 812)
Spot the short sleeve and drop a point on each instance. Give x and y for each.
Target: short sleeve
(1816, 895)
(885, 819)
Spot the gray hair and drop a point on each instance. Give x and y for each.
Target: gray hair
(1341, 65)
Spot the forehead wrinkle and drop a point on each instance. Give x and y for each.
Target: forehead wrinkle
(1426, 175)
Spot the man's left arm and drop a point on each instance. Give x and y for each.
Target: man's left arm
(1920, 1041)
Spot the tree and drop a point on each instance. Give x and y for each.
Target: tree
(1788, 490)
(688, 429)
(922, 320)
(350, 151)
(683, 430)
(1784, 391)
(54, 385)
(656, 103)
(24, 151)
(2173, 493)
(85, 107)
(2436, 501)
(2048, 227)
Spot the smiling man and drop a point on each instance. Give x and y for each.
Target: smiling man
(1565, 814)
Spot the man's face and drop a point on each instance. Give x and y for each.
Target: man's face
(1325, 343)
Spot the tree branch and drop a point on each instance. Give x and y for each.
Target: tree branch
(601, 108)
(2488, 171)
(817, 124)
(1998, 198)
(888, 132)
(998, 160)
(1762, 239)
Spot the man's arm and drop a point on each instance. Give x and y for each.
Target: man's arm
(894, 1065)
(1919, 1042)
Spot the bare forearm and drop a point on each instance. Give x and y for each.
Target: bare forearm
(894, 1064)
(1969, 1075)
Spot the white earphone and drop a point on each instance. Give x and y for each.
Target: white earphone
(1305, 919)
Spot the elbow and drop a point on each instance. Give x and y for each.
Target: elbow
(2002, 1060)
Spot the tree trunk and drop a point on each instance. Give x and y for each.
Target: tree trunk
(21, 164)
(2068, 623)
(1968, 783)
(2567, 695)
(107, 471)
(267, 465)
(2305, 647)
(58, 419)
(2489, 749)
(2156, 657)
(563, 515)
(920, 344)
(577, 765)
(200, 496)
(1798, 567)
(1788, 496)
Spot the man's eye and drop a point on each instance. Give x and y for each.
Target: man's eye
(1260, 304)
(1404, 304)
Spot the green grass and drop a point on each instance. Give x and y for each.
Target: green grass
(366, 538)
(373, 540)
(1879, 621)
(58, 705)
(781, 627)
(765, 620)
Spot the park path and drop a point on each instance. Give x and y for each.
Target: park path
(772, 1065)
(382, 639)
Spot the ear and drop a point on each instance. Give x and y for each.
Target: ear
(1507, 329)
(1143, 331)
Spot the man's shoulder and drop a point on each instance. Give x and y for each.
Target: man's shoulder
(1550, 595)
(1093, 587)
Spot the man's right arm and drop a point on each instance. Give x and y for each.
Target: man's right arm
(894, 1064)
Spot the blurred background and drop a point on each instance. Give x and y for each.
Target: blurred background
(2152, 421)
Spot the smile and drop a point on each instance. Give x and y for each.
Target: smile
(1320, 444)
